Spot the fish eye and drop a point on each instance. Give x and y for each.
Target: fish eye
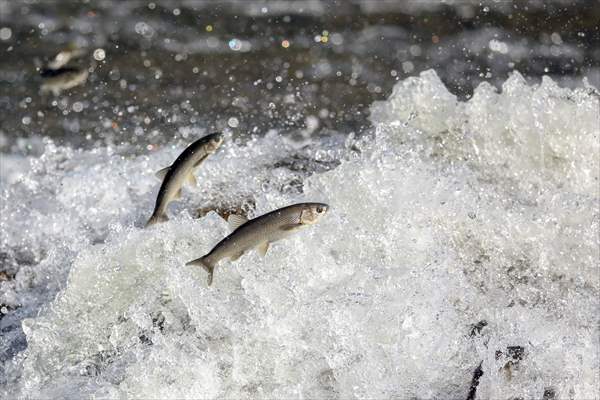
(319, 209)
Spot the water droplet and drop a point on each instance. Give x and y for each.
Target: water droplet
(337, 39)
(77, 106)
(235, 44)
(233, 122)
(5, 33)
(99, 54)
(408, 67)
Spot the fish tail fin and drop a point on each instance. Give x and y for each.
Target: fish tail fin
(208, 267)
(156, 218)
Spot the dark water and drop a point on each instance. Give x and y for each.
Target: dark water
(173, 69)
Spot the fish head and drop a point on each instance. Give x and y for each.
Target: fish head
(312, 212)
(214, 141)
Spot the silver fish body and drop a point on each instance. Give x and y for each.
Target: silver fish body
(260, 232)
(181, 171)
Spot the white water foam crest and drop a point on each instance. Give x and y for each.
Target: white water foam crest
(527, 135)
(437, 255)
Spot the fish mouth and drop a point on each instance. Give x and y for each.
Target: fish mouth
(216, 140)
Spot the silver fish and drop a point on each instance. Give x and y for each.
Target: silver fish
(260, 232)
(182, 170)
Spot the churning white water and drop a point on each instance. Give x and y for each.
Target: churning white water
(460, 234)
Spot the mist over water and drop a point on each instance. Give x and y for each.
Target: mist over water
(459, 257)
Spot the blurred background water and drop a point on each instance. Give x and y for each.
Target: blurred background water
(163, 70)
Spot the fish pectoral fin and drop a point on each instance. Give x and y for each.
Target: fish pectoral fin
(191, 179)
(160, 174)
(290, 227)
(177, 194)
(236, 256)
(235, 221)
(263, 248)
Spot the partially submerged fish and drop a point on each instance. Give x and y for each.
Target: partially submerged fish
(260, 232)
(182, 170)
(56, 81)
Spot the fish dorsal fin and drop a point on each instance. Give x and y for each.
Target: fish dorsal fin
(191, 179)
(235, 221)
(262, 248)
(162, 173)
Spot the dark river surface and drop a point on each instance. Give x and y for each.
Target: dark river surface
(160, 70)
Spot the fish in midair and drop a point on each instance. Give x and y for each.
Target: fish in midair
(182, 170)
(259, 232)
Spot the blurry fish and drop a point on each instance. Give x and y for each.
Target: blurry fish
(56, 81)
(180, 171)
(260, 232)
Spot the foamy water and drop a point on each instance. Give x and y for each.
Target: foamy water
(459, 234)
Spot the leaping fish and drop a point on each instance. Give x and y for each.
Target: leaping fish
(182, 170)
(260, 232)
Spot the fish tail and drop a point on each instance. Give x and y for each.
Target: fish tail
(208, 267)
(156, 218)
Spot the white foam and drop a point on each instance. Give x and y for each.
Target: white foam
(526, 134)
(454, 213)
